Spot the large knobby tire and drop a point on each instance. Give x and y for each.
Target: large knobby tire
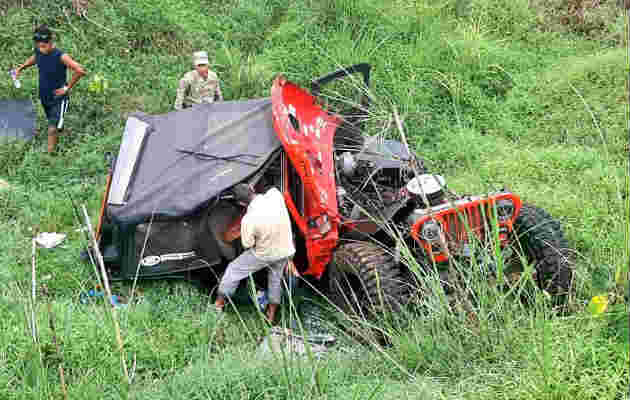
(364, 279)
(545, 246)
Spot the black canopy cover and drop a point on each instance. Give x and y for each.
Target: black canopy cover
(156, 174)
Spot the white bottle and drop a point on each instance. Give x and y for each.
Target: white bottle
(16, 81)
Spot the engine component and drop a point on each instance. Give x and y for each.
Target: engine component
(432, 186)
(356, 212)
(431, 231)
(347, 164)
(341, 196)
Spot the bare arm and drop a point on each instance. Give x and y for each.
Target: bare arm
(79, 72)
(28, 63)
(181, 93)
(248, 233)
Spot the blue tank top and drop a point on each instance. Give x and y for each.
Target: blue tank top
(52, 73)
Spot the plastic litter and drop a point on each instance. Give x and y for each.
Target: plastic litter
(92, 295)
(284, 340)
(262, 300)
(50, 239)
(312, 332)
(598, 305)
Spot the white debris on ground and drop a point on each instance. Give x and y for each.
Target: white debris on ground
(4, 184)
(282, 340)
(49, 239)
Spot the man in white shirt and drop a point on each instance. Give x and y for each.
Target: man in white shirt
(267, 236)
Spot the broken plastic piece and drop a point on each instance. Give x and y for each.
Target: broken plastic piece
(50, 239)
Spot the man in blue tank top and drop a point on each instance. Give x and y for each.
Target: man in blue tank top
(53, 89)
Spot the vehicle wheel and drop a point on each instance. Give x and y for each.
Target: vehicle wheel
(545, 246)
(364, 279)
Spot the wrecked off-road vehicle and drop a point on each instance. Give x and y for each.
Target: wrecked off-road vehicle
(354, 200)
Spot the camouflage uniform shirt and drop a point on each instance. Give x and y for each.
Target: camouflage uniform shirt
(193, 89)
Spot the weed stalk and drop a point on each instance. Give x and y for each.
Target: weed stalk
(33, 290)
(51, 323)
(108, 293)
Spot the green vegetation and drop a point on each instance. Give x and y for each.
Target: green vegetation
(525, 94)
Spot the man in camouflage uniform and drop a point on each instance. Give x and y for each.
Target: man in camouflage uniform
(199, 85)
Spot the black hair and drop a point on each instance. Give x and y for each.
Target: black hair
(242, 192)
(42, 34)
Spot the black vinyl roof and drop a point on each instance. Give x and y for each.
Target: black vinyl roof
(186, 158)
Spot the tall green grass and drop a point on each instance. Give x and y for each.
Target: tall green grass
(492, 94)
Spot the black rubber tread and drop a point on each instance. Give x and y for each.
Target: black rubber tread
(547, 248)
(371, 274)
(376, 276)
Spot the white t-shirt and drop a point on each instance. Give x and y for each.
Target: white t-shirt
(266, 226)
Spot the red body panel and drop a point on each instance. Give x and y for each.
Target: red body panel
(306, 132)
(470, 217)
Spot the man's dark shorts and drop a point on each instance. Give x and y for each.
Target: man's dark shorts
(55, 110)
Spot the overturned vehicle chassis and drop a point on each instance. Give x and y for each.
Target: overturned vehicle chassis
(353, 199)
